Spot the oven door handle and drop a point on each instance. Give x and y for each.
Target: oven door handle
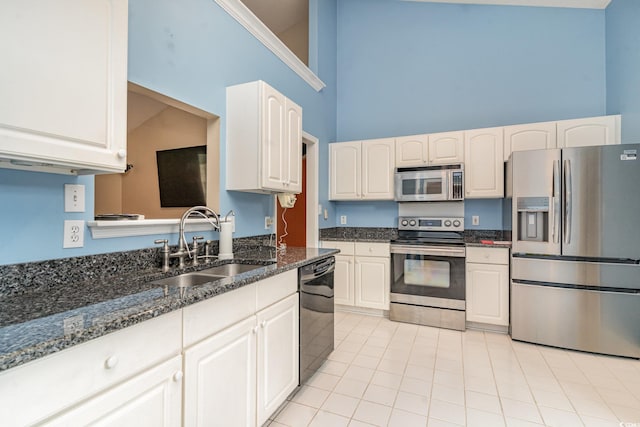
(417, 250)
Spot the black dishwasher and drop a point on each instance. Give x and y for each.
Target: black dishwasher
(316, 315)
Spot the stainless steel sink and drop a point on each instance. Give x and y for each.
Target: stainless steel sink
(207, 276)
(232, 269)
(189, 279)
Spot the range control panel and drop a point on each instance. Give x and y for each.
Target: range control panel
(430, 223)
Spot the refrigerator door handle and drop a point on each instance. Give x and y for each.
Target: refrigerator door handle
(567, 201)
(555, 210)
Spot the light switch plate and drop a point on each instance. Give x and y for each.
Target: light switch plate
(73, 198)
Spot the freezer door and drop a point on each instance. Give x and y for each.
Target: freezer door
(601, 201)
(596, 321)
(536, 203)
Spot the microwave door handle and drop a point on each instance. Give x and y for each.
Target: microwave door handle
(567, 202)
(555, 210)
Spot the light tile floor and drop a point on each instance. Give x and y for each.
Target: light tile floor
(385, 373)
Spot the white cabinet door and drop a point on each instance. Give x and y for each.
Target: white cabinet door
(484, 168)
(372, 282)
(277, 356)
(488, 293)
(64, 84)
(446, 148)
(220, 378)
(378, 163)
(153, 398)
(294, 147)
(412, 151)
(264, 140)
(345, 171)
(343, 285)
(590, 131)
(534, 136)
(274, 144)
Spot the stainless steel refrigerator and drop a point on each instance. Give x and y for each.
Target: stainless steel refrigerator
(575, 278)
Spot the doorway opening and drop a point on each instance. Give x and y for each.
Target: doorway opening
(298, 226)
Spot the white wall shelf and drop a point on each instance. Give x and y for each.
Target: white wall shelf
(143, 227)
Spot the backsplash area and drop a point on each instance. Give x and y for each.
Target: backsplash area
(42, 275)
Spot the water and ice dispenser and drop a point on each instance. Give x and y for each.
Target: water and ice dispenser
(533, 219)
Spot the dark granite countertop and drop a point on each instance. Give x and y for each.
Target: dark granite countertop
(32, 321)
(475, 238)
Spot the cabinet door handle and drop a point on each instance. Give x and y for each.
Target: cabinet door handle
(263, 324)
(111, 362)
(177, 377)
(122, 153)
(254, 330)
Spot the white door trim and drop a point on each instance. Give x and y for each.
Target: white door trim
(312, 188)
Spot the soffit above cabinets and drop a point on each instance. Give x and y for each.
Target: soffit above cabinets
(580, 4)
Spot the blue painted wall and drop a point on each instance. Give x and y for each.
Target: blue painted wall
(190, 50)
(623, 65)
(412, 67)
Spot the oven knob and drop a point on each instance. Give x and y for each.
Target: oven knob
(447, 223)
(412, 222)
(404, 222)
(456, 223)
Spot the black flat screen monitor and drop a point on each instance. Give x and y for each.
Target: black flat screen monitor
(182, 177)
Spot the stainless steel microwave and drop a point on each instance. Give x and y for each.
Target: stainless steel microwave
(430, 184)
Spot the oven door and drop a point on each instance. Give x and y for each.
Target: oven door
(433, 276)
(421, 186)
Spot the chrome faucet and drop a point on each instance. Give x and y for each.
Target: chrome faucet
(183, 248)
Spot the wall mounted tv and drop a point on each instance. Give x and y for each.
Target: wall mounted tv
(182, 176)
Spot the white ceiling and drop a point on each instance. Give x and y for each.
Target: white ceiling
(583, 4)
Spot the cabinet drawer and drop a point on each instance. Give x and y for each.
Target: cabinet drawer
(215, 314)
(488, 255)
(38, 389)
(346, 248)
(372, 249)
(275, 288)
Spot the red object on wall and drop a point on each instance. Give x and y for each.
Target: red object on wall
(296, 217)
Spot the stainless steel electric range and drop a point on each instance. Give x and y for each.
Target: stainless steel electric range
(428, 272)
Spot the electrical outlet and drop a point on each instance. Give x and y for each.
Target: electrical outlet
(343, 219)
(326, 214)
(475, 220)
(268, 222)
(73, 324)
(73, 198)
(73, 234)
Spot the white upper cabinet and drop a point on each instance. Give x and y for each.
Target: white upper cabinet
(534, 136)
(430, 149)
(345, 174)
(412, 151)
(361, 170)
(484, 168)
(378, 158)
(590, 131)
(446, 148)
(64, 85)
(264, 140)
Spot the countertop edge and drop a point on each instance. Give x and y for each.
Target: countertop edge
(141, 313)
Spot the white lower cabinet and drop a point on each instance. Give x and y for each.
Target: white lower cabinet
(362, 276)
(239, 376)
(118, 379)
(153, 398)
(277, 355)
(220, 378)
(372, 282)
(231, 360)
(487, 284)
